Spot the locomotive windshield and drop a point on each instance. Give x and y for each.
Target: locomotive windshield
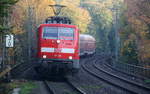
(58, 33)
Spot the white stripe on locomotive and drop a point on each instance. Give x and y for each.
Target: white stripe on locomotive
(44, 49)
(63, 50)
(66, 50)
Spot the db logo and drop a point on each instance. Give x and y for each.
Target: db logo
(57, 49)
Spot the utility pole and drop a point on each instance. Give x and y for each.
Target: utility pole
(29, 30)
(3, 50)
(117, 38)
(5, 23)
(57, 9)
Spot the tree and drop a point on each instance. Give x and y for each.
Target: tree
(27, 15)
(138, 17)
(5, 26)
(101, 21)
(4, 13)
(78, 15)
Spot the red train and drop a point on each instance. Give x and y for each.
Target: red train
(58, 45)
(87, 44)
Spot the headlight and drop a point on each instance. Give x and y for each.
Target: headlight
(58, 41)
(70, 57)
(44, 56)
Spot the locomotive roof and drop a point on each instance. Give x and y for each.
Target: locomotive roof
(86, 37)
(58, 25)
(58, 20)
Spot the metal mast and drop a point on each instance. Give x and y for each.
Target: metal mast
(57, 8)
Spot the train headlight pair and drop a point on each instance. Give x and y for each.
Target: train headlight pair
(70, 57)
(44, 56)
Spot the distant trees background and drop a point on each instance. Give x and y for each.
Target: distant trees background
(136, 29)
(5, 9)
(5, 26)
(116, 24)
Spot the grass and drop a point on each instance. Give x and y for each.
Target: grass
(147, 81)
(14, 85)
(27, 87)
(8, 87)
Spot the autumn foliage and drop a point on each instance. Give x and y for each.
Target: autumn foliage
(138, 18)
(100, 18)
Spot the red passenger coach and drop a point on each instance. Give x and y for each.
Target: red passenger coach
(87, 45)
(58, 45)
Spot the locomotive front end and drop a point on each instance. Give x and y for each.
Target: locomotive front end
(58, 46)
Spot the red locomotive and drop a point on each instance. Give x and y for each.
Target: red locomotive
(58, 44)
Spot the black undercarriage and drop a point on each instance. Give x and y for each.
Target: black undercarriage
(55, 69)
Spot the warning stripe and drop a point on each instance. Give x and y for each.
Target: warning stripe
(63, 50)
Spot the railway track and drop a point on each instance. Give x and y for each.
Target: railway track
(20, 69)
(114, 80)
(137, 88)
(15, 70)
(65, 87)
(137, 78)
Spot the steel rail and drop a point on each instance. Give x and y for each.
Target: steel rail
(10, 69)
(20, 68)
(75, 88)
(123, 72)
(137, 87)
(106, 80)
(48, 87)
